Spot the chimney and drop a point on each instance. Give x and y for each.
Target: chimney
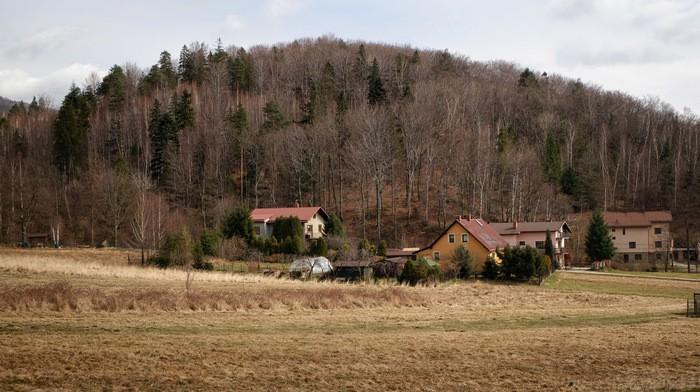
(470, 217)
(459, 217)
(296, 203)
(515, 225)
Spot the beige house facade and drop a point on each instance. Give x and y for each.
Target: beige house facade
(313, 219)
(641, 236)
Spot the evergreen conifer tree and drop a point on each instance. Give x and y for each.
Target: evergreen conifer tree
(599, 245)
(376, 93)
(70, 133)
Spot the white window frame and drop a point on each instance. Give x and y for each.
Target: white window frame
(451, 238)
(465, 237)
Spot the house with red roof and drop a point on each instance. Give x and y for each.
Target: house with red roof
(641, 235)
(476, 235)
(313, 219)
(534, 234)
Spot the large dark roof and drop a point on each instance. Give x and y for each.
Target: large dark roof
(271, 214)
(636, 219)
(506, 228)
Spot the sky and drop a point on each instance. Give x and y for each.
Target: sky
(646, 48)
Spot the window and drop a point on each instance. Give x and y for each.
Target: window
(658, 244)
(613, 237)
(626, 258)
(539, 244)
(633, 245)
(637, 257)
(613, 230)
(451, 238)
(522, 243)
(658, 230)
(309, 228)
(658, 256)
(320, 228)
(465, 237)
(436, 256)
(257, 230)
(623, 231)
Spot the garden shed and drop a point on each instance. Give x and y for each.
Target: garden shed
(310, 266)
(353, 270)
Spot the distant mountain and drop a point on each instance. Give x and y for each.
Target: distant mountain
(5, 104)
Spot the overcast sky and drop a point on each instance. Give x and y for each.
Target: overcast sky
(644, 48)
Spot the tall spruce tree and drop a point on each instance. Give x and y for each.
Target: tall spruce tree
(549, 247)
(183, 112)
(273, 118)
(70, 133)
(376, 93)
(161, 128)
(599, 245)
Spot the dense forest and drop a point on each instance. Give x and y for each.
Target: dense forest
(395, 141)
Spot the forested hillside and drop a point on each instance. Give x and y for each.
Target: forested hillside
(394, 140)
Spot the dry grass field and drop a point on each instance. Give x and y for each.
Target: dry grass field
(85, 320)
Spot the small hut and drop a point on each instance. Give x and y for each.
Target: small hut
(353, 270)
(37, 240)
(390, 267)
(307, 267)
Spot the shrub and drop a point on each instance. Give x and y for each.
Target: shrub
(334, 227)
(158, 261)
(177, 248)
(234, 248)
(318, 247)
(463, 261)
(419, 271)
(287, 227)
(292, 246)
(491, 270)
(238, 223)
(210, 241)
(520, 263)
(381, 248)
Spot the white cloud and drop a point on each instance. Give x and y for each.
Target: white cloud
(234, 22)
(43, 41)
(20, 85)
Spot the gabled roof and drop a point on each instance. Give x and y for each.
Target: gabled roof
(304, 214)
(480, 230)
(636, 219)
(506, 228)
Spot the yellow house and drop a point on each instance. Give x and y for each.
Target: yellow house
(477, 236)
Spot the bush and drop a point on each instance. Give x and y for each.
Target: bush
(158, 261)
(210, 241)
(419, 271)
(381, 248)
(463, 261)
(318, 247)
(177, 248)
(234, 248)
(238, 223)
(521, 263)
(334, 227)
(491, 270)
(292, 246)
(287, 227)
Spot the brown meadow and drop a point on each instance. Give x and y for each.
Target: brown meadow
(73, 320)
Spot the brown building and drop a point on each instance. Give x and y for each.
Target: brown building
(476, 235)
(641, 236)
